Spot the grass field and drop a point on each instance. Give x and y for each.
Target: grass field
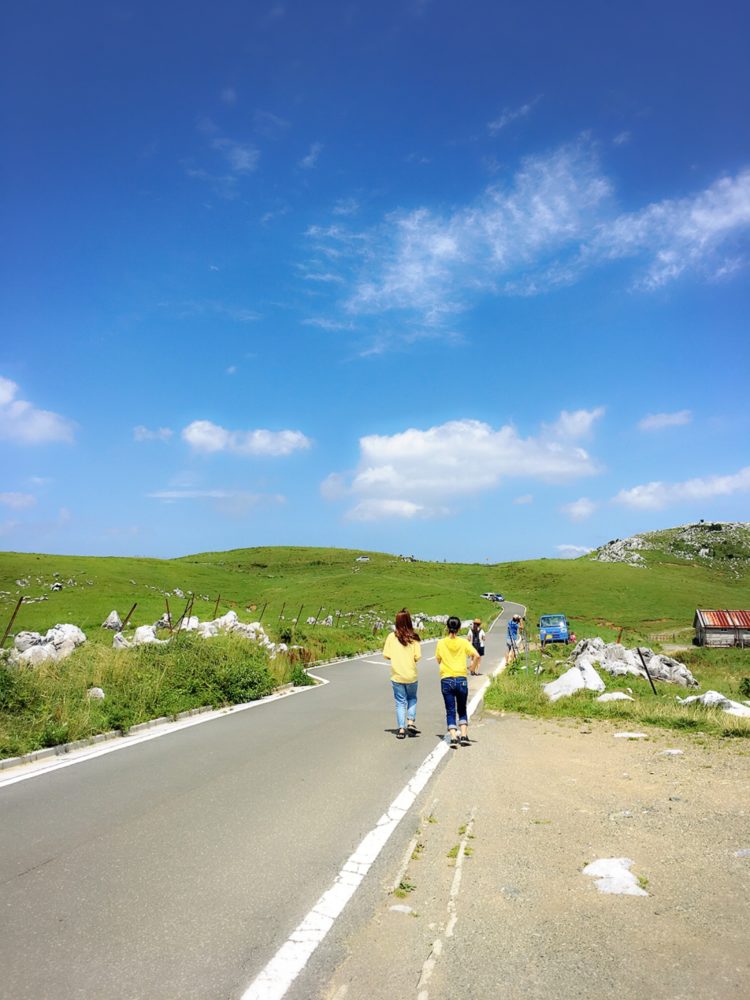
(280, 584)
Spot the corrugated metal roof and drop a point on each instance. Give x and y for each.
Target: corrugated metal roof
(723, 619)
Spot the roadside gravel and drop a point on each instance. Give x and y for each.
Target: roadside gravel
(495, 904)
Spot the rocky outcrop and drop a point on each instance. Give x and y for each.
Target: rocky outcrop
(619, 661)
(32, 648)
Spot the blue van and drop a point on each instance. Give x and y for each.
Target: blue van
(553, 628)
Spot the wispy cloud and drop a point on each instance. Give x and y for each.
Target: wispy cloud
(17, 501)
(579, 510)
(523, 500)
(232, 503)
(209, 438)
(310, 160)
(327, 324)
(548, 226)
(509, 115)
(238, 314)
(572, 551)
(622, 138)
(242, 157)
(23, 423)
(141, 433)
(228, 95)
(416, 472)
(658, 421)
(658, 495)
(346, 206)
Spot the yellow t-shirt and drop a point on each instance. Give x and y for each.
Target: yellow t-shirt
(403, 659)
(452, 652)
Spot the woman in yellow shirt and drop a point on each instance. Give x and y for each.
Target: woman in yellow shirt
(402, 648)
(451, 653)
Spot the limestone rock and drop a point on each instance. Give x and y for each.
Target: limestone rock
(714, 699)
(120, 642)
(24, 640)
(112, 621)
(145, 635)
(614, 696)
(95, 694)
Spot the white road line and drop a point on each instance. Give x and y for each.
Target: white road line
(437, 946)
(46, 766)
(276, 978)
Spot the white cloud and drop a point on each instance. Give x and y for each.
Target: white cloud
(658, 495)
(207, 437)
(380, 510)
(622, 138)
(580, 509)
(509, 115)
(17, 501)
(241, 157)
(543, 228)
(572, 551)
(311, 158)
(141, 433)
(577, 424)
(678, 235)
(422, 469)
(527, 498)
(22, 423)
(658, 421)
(211, 495)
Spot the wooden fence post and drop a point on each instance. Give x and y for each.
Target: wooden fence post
(6, 633)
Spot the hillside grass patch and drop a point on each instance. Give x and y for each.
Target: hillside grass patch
(48, 705)
(518, 690)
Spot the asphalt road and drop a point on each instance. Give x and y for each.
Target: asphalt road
(179, 866)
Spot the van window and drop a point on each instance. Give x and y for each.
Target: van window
(553, 619)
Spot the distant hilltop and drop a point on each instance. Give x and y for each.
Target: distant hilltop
(711, 543)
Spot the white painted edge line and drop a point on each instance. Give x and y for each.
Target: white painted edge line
(34, 770)
(278, 975)
(276, 978)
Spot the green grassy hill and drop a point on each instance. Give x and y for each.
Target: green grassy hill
(659, 595)
(48, 705)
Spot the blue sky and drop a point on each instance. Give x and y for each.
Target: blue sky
(463, 280)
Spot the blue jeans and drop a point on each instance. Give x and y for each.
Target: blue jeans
(455, 692)
(406, 702)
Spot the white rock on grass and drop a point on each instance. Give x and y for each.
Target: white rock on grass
(618, 661)
(630, 736)
(145, 635)
(24, 640)
(614, 696)
(671, 753)
(613, 875)
(95, 694)
(715, 699)
(120, 642)
(112, 621)
(189, 624)
(579, 678)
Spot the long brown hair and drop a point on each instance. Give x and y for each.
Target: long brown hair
(404, 629)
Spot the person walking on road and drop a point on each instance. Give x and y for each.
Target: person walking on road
(511, 639)
(451, 653)
(403, 650)
(476, 637)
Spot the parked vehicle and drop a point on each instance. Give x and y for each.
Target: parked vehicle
(493, 597)
(554, 628)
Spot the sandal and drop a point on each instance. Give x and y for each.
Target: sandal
(411, 729)
(401, 734)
